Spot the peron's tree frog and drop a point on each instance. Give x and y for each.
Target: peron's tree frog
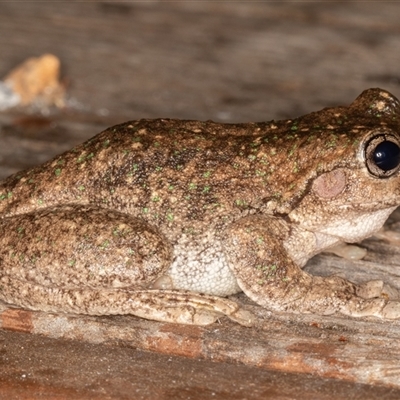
(164, 218)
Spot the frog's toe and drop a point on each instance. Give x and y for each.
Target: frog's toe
(370, 289)
(377, 288)
(243, 317)
(391, 310)
(378, 307)
(203, 317)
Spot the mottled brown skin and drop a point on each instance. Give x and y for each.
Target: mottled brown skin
(134, 218)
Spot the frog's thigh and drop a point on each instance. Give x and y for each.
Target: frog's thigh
(82, 246)
(256, 254)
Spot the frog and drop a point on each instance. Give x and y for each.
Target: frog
(167, 219)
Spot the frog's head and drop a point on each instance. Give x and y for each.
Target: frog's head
(350, 197)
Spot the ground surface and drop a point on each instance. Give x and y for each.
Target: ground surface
(223, 61)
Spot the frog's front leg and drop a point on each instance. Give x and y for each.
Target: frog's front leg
(90, 260)
(257, 252)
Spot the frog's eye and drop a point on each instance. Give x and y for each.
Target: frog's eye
(382, 154)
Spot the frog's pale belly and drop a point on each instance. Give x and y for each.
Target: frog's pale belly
(202, 269)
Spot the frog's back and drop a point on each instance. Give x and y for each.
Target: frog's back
(173, 172)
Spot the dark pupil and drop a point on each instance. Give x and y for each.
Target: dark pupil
(387, 155)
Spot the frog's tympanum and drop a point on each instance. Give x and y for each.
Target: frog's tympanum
(164, 218)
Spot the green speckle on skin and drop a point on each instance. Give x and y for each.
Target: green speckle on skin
(20, 230)
(260, 173)
(252, 157)
(292, 150)
(192, 186)
(332, 142)
(295, 167)
(105, 244)
(71, 263)
(155, 199)
(84, 157)
(294, 128)
(171, 187)
(81, 188)
(269, 271)
(145, 210)
(207, 174)
(170, 217)
(240, 203)
(5, 196)
(310, 138)
(134, 168)
(206, 189)
(106, 143)
(40, 201)
(158, 168)
(57, 171)
(277, 195)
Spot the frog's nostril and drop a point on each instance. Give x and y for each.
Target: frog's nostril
(387, 155)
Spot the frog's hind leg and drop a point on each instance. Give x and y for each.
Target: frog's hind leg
(90, 260)
(173, 306)
(257, 256)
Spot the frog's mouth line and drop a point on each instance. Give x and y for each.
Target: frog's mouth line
(368, 206)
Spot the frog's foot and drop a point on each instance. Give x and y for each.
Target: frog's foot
(377, 288)
(335, 294)
(265, 272)
(348, 251)
(382, 300)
